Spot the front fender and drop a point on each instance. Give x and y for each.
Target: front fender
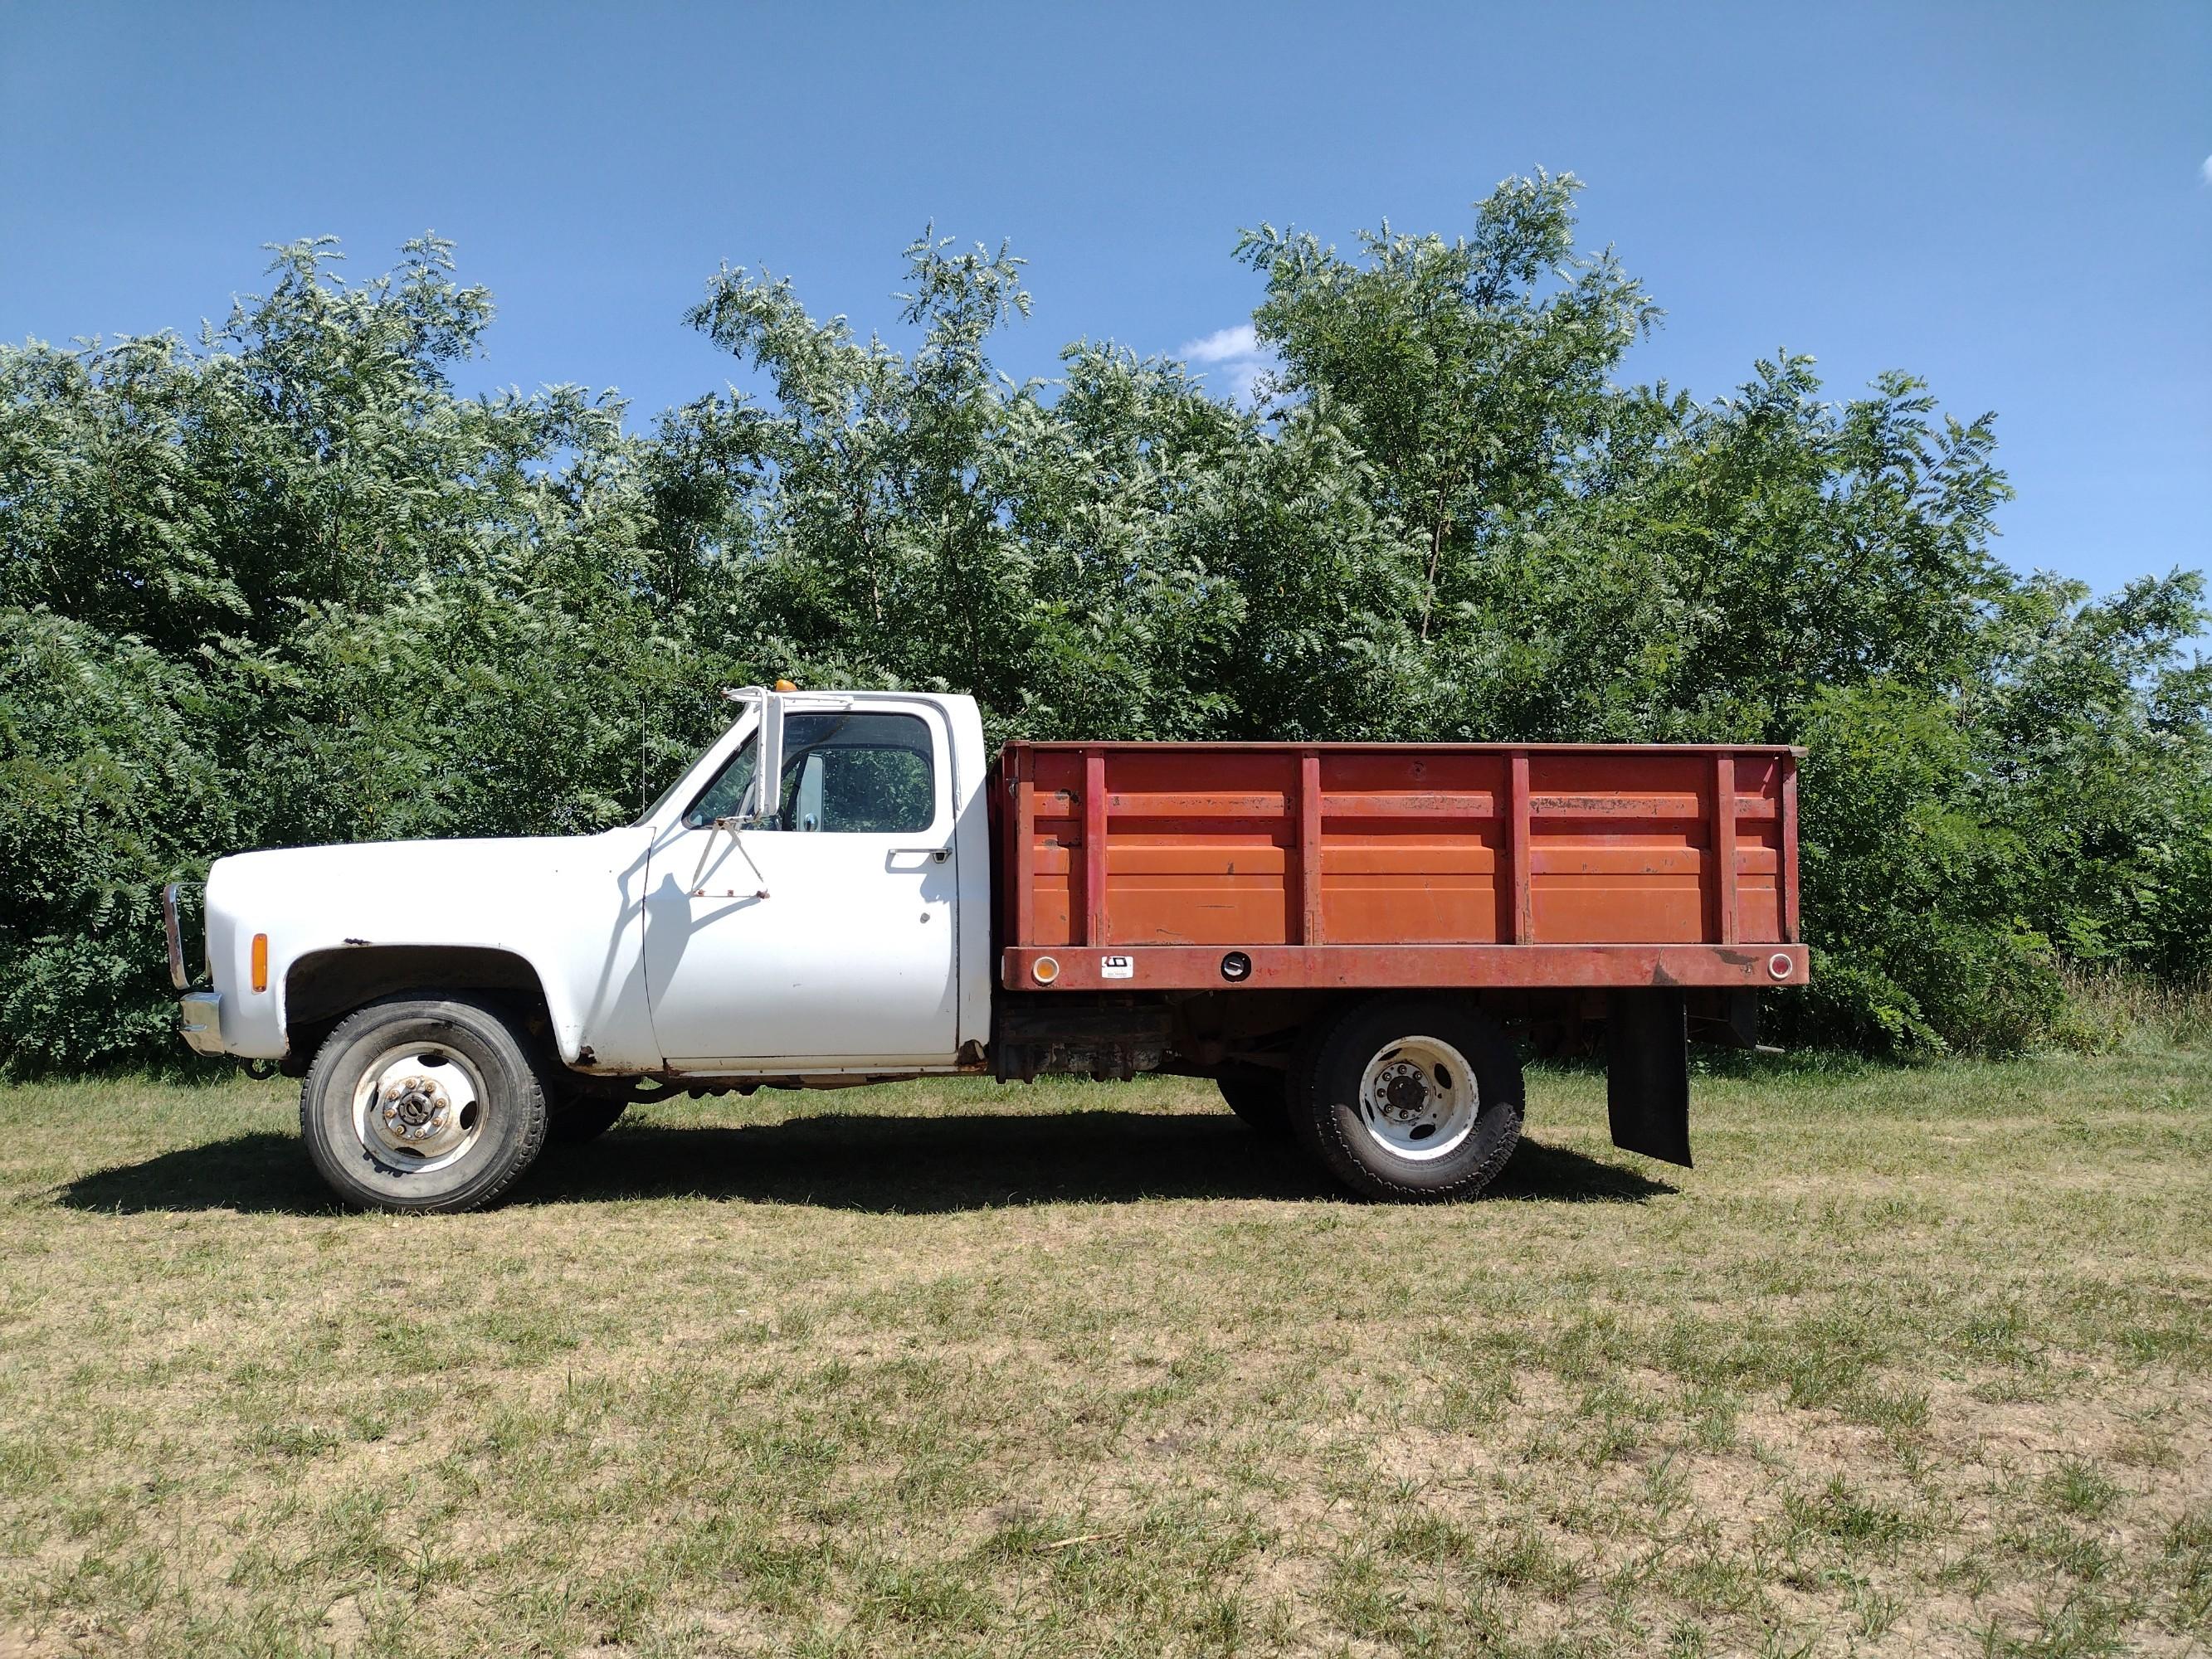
(567, 909)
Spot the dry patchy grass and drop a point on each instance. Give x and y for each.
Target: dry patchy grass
(1914, 1362)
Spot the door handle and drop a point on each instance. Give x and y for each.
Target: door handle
(937, 854)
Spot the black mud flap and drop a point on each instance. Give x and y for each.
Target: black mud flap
(1647, 1074)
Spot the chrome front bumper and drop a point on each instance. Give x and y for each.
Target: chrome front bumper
(199, 1020)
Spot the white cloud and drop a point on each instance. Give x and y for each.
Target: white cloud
(1225, 344)
(1237, 355)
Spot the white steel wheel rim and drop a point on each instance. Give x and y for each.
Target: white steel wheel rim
(1419, 1099)
(419, 1106)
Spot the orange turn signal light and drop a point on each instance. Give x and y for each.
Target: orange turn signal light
(1044, 970)
(261, 961)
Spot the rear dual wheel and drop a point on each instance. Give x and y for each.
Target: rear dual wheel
(1409, 1098)
(1260, 1095)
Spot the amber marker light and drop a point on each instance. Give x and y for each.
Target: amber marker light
(1044, 970)
(261, 961)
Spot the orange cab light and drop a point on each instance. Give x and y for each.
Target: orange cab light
(261, 961)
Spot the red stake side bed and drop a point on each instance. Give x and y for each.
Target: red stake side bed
(1201, 866)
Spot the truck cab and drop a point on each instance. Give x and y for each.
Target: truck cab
(810, 926)
(836, 923)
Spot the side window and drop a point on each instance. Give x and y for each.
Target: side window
(858, 774)
(729, 795)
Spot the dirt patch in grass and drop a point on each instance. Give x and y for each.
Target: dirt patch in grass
(1913, 1362)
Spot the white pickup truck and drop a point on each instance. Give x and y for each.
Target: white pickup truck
(844, 888)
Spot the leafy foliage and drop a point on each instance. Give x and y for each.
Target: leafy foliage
(285, 585)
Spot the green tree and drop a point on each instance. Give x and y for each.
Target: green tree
(285, 585)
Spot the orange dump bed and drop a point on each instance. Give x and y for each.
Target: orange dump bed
(1197, 865)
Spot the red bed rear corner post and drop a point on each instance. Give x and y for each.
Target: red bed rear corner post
(1723, 845)
(1310, 852)
(1024, 848)
(1094, 848)
(1789, 850)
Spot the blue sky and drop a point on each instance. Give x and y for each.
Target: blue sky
(2012, 200)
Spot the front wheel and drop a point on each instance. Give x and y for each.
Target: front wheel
(1417, 1098)
(422, 1103)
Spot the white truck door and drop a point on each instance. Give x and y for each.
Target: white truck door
(827, 940)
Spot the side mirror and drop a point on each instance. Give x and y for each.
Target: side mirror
(807, 805)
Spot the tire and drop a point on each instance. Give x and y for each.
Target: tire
(1410, 1098)
(575, 1119)
(1261, 1095)
(423, 1103)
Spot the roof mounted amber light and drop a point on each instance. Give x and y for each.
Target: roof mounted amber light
(261, 961)
(1044, 970)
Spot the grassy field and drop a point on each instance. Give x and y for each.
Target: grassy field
(1914, 1362)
